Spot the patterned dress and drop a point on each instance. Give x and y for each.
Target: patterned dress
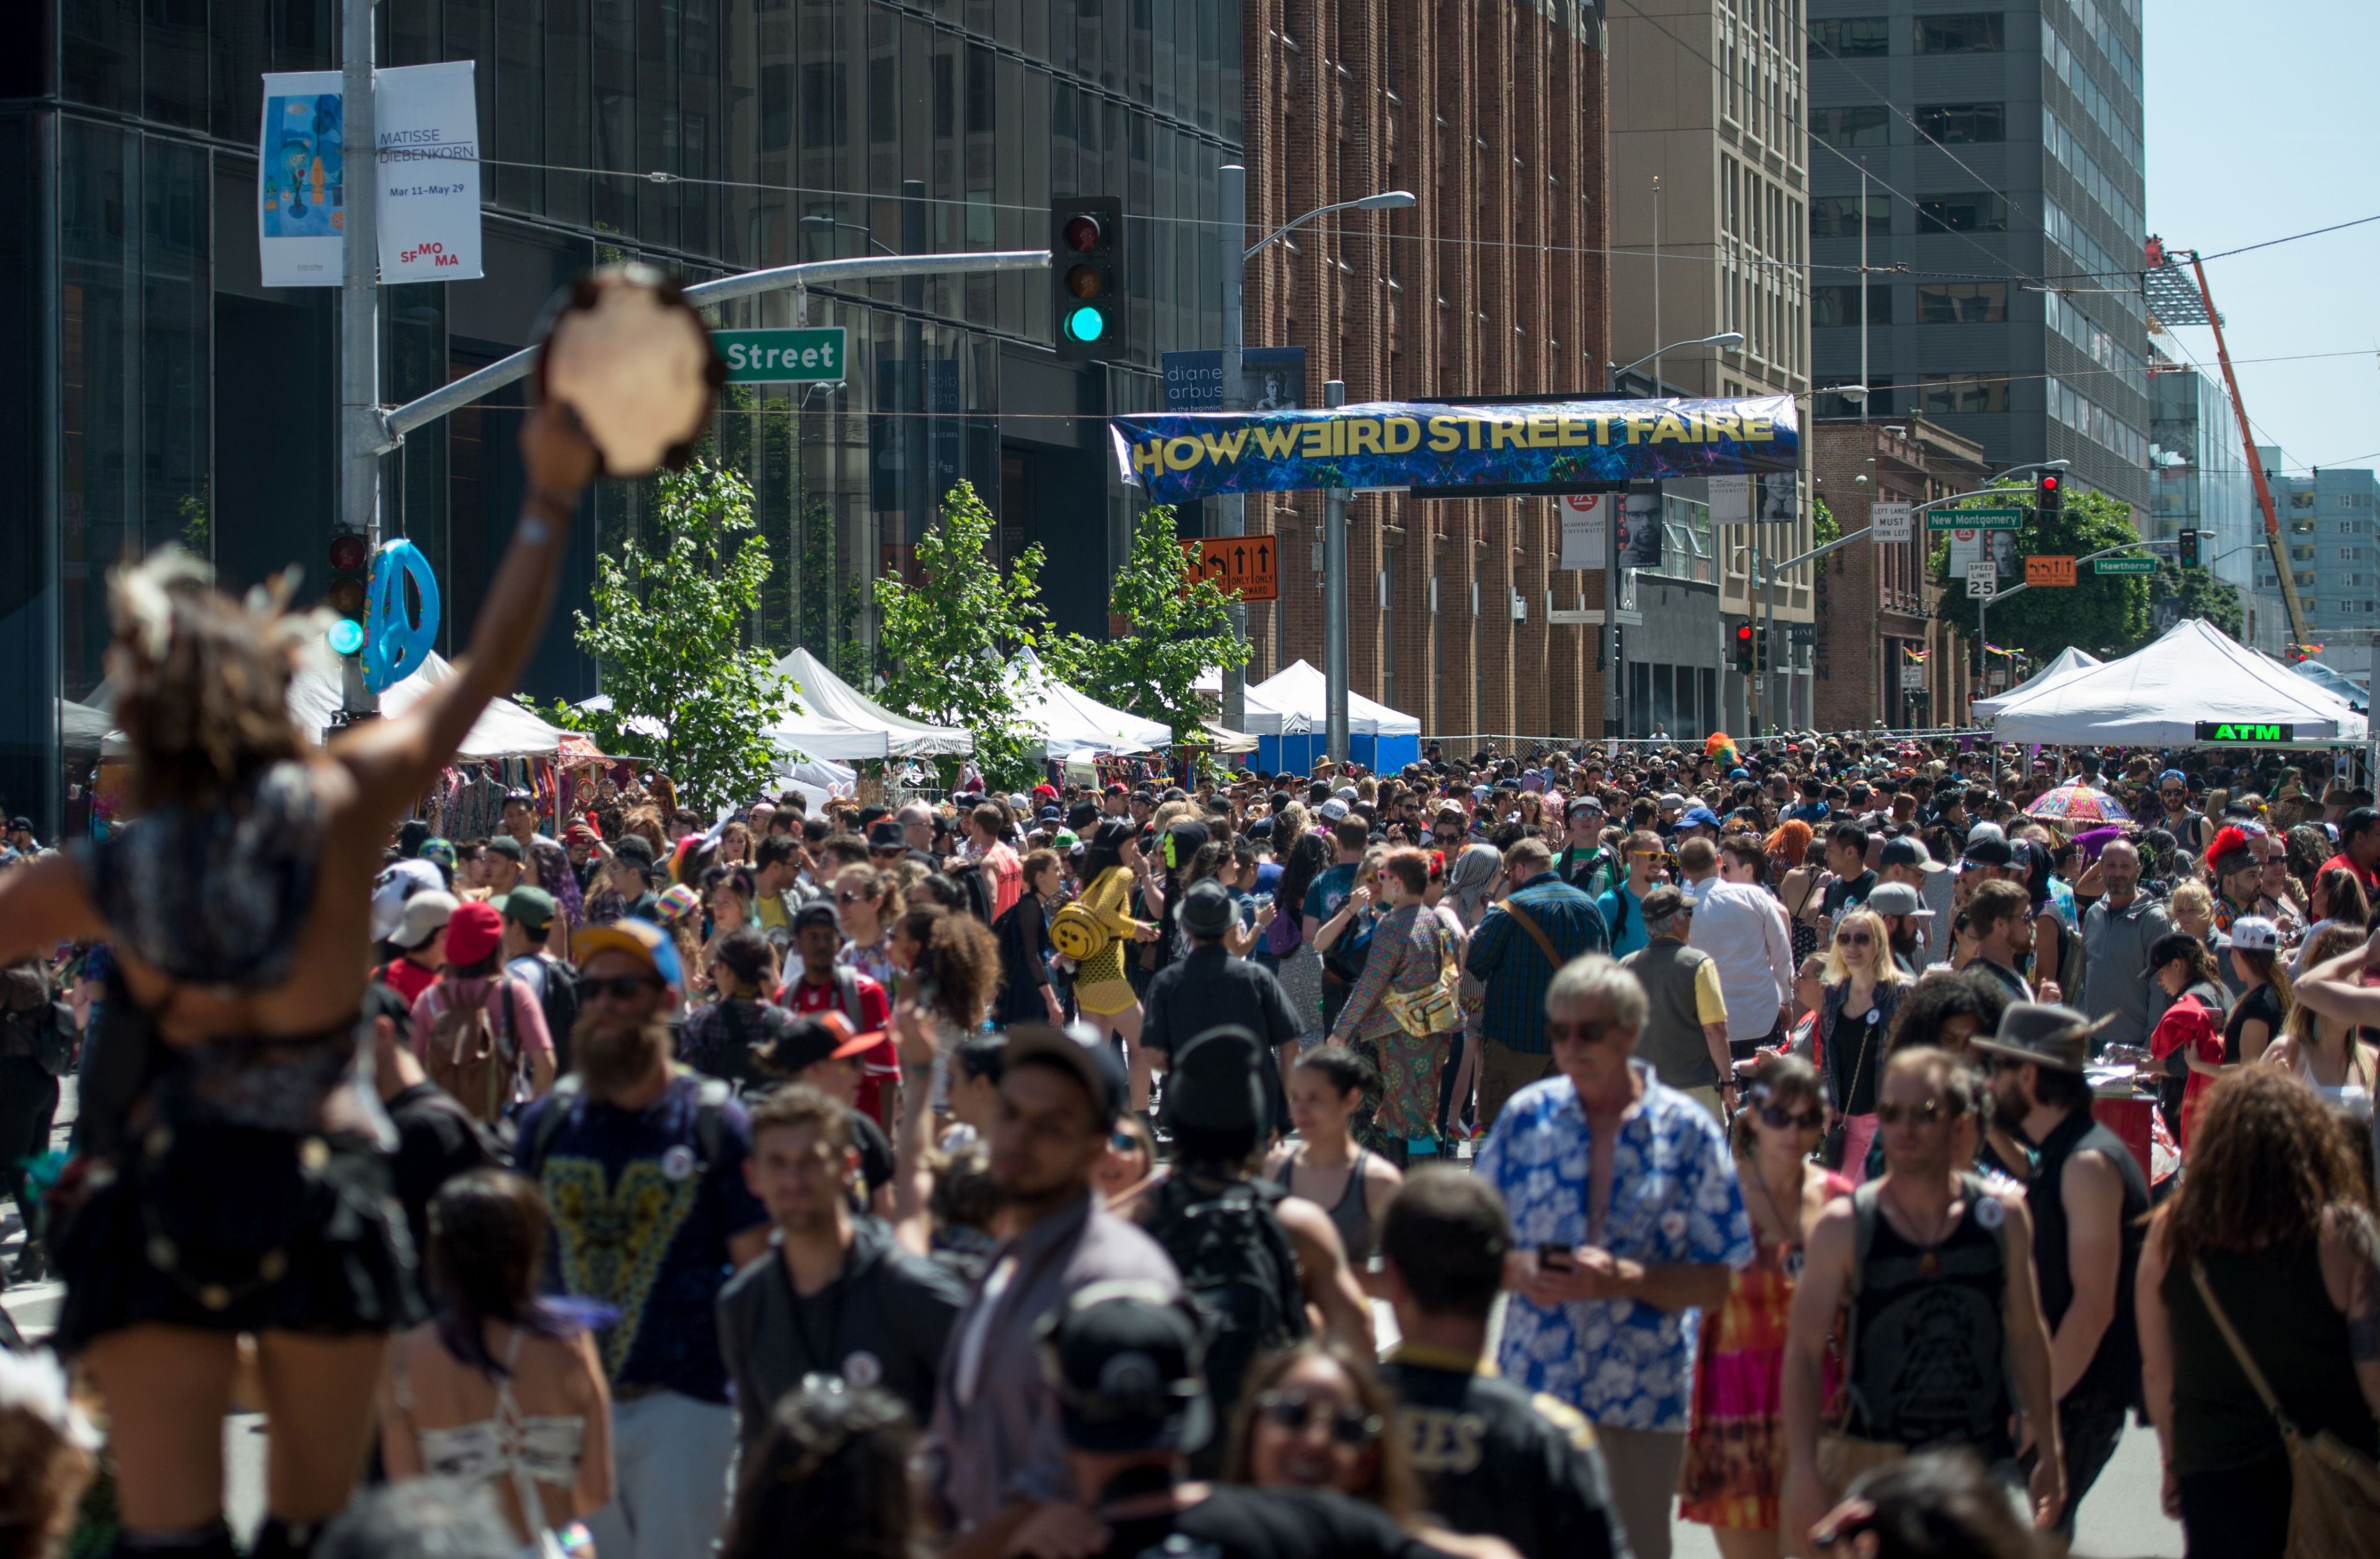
(1411, 945)
(1734, 1471)
(1100, 987)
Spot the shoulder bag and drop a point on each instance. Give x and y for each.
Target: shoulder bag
(2335, 1488)
(1436, 1007)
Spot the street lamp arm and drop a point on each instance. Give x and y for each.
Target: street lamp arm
(1727, 340)
(1385, 201)
(1295, 223)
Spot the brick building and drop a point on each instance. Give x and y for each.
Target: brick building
(1876, 604)
(1492, 113)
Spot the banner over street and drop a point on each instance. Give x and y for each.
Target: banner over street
(1553, 446)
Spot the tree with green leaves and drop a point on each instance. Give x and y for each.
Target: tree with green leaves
(668, 630)
(2106, 614)
(947, 636)
(1176, 633)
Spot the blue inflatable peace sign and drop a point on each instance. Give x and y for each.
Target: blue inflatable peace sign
(395, 646)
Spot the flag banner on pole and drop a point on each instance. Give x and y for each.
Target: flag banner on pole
(1550, 446)
(1585, 528)
(301, 180)
(427, 121)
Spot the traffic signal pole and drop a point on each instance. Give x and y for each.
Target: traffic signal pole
(362, 437)
(1232, 508)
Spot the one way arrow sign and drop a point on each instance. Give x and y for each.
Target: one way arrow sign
(1241, 564)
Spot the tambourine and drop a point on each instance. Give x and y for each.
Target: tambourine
(623, 349)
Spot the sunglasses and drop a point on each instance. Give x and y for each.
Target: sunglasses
(1852, 938)
(1124, 1141)
(1584, 1033)
(852, 896)
(1294, 1411)
(1781, 1117)
(620, 988)
(1927, 1114)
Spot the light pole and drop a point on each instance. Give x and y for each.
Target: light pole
(1232, 513)
(1726, 340)
(1334, 603)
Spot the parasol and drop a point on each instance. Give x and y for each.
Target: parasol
(2077, 804)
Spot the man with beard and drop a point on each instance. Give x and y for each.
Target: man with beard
(545, 863)
(1901, 909)
(643, 1164)
(992, 1454)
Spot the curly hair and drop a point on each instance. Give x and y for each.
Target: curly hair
(833, 1475)
(1938, 998)
(2267, 1167)
(203, 680)
(958, 962)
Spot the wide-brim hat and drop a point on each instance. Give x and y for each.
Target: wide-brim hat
(2045, 1034)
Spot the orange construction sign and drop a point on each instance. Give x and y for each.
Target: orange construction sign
(1248, 565)
(2050, 571)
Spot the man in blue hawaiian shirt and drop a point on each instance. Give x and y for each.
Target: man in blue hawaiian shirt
(1627, 1213)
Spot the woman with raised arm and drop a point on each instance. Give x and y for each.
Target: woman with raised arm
(233, 1177)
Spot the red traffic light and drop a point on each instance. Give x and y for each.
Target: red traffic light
(2049, 484)
(1082, 234)
(348, 553)
(1744, 632)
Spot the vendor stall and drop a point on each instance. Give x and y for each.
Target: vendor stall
(1289, 714)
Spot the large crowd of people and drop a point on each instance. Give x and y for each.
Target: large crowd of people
(1516, 1153)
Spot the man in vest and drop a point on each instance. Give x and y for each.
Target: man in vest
(2089, 1204)
(1685, 1018)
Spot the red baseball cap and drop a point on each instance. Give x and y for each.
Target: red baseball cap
(473, 931)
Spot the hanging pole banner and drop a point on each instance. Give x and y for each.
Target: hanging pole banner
(1552, 446)
(301, 180)
(428, 123)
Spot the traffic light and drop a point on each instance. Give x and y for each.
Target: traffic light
(1745, 641)
(2048, 495)
(2189, 548)
(1086, 294)
(347, 595)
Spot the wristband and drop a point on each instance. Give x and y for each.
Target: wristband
(560, 506)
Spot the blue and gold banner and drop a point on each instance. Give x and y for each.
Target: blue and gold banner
(1553, 446)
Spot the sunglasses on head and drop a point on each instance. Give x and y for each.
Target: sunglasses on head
(1927, 1114)
(1781, 1117)
(1294, 1410)
(620, 988)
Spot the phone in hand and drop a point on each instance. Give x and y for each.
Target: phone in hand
(1554, 1258)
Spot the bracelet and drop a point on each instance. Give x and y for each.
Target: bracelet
(561, 506)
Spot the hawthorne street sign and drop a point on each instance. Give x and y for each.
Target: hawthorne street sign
(2125, 565)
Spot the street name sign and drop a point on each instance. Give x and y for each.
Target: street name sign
(814, 355)
(2125, 565)
(1974, 519)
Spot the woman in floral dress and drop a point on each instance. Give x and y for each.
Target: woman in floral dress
(1413, 948)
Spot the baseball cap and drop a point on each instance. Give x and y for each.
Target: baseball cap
(1908, 853)
(530, 908)
(424, 915)
(473, 931)
(1700, 817)
(1987, 853)
(1671, 801)
(395, 885)
(1079, 1052)
(1897, 898)
(1333, 809)
(1585, 804)
(523, 797)
(2255, 933)
(507, 846)
(1124, 1357)
(640, 939)
(817, 913)
(808, 1040)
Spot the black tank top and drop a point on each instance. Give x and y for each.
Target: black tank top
(1928, 1363)
(2113, 1378)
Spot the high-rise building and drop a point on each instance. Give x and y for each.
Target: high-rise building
(1491, 112)
(2199, 480)
(162, 392)
(1710, 236)
(2330, 521)
(1986, 164)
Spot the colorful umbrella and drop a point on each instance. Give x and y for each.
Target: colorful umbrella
(2077, 804)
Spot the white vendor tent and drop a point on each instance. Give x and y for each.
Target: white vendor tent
(2158, 697)
(2330, 679)
(831, 720)
(1069, 721)
(504, 728)
(2068, 661)
(1289, 714)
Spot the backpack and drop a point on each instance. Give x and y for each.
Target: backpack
(559, 1002)
(975, 890)
(1238, 1268)
(465, 1056)
(711, 1096)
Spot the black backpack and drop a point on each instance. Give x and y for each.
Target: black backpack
(559, 1004)
(975, 889)
(1238, 1268)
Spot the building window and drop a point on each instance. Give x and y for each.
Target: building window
(1851, 127)
(1961, 303)
(1840, 305)
(1854, 37)
(1964, 393)
(1961, 213)
(1839, 216)
(1964, 124)
(1960, 35)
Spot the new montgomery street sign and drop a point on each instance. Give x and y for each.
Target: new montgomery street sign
(1974, 519)
(813, 355)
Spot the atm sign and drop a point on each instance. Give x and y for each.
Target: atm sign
(2244, 731)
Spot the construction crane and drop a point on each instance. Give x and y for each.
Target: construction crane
(2176, 302)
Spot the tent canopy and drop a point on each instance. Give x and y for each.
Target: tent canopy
(1289, 714)
(829, 718)
(2332, 680)
(2068, 661)
(1069, 721)
(2156, 697)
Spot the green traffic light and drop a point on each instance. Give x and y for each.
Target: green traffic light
(1086, 324)
(346, 635)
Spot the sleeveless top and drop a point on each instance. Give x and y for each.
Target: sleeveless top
(2113, 1377)
(214, 895)
(1928, 1360)
(528, 1449)
(1350, 1215)
(2276, 1301)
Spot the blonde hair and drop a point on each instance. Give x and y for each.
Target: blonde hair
(1879, 945)
(2190, 897)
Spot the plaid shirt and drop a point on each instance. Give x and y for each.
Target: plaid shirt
(1511, 966)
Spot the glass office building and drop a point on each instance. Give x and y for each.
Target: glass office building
(165, 395)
